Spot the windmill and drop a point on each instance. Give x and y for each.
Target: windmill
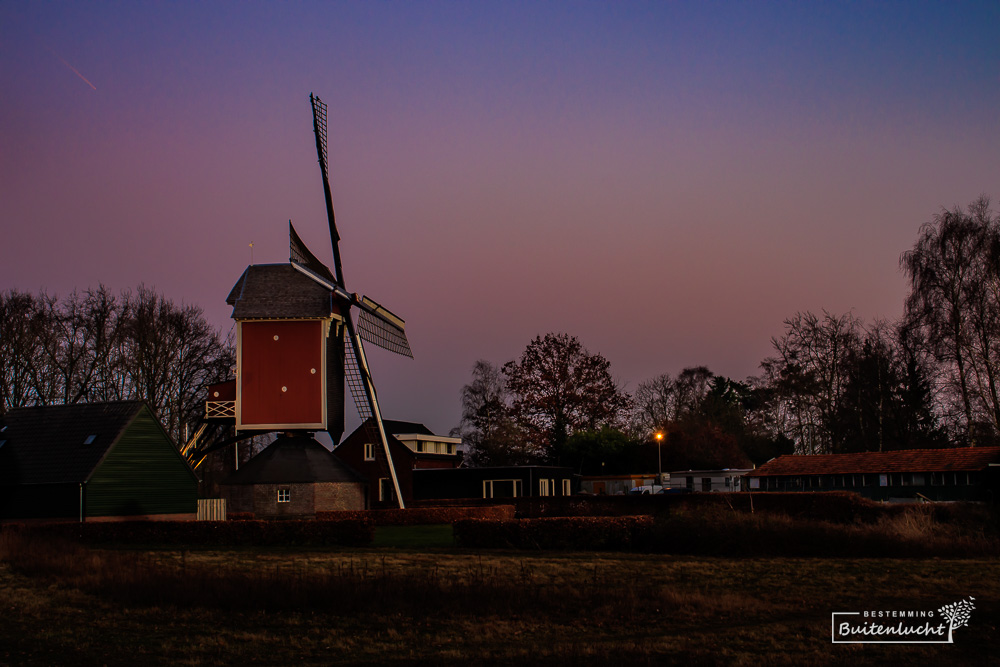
(298, 343)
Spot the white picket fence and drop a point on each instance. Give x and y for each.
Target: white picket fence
(211, 509)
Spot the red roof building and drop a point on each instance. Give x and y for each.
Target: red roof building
(966, 473)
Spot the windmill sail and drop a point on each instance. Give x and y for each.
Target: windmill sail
(319, 128)
(383, 327)
(379, 326)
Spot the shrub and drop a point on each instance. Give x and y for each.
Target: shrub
(350, 532)
(422, 515)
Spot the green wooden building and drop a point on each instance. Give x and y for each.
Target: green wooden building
(93, 461)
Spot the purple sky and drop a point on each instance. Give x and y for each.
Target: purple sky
(666, 181)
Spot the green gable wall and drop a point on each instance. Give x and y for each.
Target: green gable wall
(143, 473)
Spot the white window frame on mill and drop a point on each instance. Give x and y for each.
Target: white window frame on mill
(284, 495)
(369, 451)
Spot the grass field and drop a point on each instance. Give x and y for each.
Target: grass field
(433, 606)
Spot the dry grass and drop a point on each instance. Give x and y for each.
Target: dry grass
(64, 604)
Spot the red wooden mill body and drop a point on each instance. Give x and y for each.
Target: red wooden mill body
(281, 380)
(290, 351)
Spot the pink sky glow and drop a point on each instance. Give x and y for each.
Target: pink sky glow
(668, 182)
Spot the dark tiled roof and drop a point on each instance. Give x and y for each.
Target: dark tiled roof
(278, 290)
(904, 460)
(293, 460)
(48, 445)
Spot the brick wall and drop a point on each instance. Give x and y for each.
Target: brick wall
(239, 497)
(334, 497)
(304, 499)
(265, 500)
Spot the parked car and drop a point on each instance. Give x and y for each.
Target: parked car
(645, 490)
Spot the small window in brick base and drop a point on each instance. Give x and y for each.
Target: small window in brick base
(284, 495)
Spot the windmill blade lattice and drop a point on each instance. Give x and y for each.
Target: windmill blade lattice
(356, 384)
(319, 125)
(379, 330)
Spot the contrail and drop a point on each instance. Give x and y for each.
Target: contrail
(75, 70)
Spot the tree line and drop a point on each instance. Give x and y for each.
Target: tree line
(833, 384)
(94, 346)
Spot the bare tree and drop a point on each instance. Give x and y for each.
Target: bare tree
(170, 355)
(654, 404)
(808, 374)
(487, 426)
(92, 346)
(953, 302)
(21, 345)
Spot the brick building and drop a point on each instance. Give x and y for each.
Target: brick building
(413, 447)
(294, 476)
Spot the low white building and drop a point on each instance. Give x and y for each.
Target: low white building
(727, 479)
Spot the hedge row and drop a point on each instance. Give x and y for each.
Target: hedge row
(590, 533)
(422, 515)
(833, 506)
(348, 532)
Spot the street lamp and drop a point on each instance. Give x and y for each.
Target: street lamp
(659, 454)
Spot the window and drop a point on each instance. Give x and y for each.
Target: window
(419, 447)
(544, 486)
(706, 483)
(689, 482)
(386, 491)
(369, 451)
(89, 440)
(566, 488)
(2, 443)
(502, 488)
(919, 479)
(451, 448)
(284, 495)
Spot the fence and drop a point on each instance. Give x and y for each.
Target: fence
(211, 509)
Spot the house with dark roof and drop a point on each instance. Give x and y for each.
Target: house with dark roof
(413, 446)
(966, 473)
(295, 476)
(92, 461)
